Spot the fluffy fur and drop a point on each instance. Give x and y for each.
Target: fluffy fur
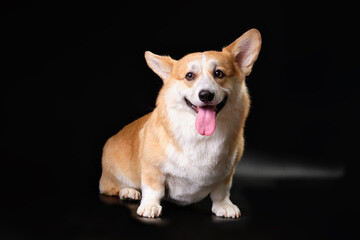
(162, 153)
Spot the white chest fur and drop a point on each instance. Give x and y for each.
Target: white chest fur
(204, 160)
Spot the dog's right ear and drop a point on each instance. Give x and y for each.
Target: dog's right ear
(161, 65)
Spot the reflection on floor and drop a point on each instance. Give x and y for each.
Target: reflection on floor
(278, 200)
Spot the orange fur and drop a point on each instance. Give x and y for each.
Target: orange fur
(127, 154)
(135, 155)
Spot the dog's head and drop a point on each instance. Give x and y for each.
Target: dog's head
(203, 82)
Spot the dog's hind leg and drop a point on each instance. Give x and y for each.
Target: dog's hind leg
(108, 185)
(129, 193)
(112, 186)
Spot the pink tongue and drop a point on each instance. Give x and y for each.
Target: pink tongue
(205, 121)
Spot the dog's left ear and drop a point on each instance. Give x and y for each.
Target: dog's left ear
(161, 65)
(246, 49)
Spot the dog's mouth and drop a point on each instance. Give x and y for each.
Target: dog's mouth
(216, 108)
(206, 116)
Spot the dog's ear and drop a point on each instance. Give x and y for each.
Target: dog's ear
(246, 49)
(161, 65)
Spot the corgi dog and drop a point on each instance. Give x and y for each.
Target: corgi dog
(188, 147)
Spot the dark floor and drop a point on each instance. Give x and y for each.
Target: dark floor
(310, 207)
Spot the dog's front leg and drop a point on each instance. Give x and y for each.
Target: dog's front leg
(222, 206)
(153, 190)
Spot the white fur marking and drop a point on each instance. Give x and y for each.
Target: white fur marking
(129, 193)
(148, 194)
(204, 160)
(150, 203)
(226, 209)
(194, 67)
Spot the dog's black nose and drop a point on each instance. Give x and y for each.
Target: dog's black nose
(206, 96)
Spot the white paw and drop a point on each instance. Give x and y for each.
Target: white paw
(129, 193)
(227, 210)
(149, 210)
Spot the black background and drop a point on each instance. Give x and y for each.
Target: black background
(75, 74)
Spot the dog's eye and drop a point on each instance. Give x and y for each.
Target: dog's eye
(219, 74)
(190, 76)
